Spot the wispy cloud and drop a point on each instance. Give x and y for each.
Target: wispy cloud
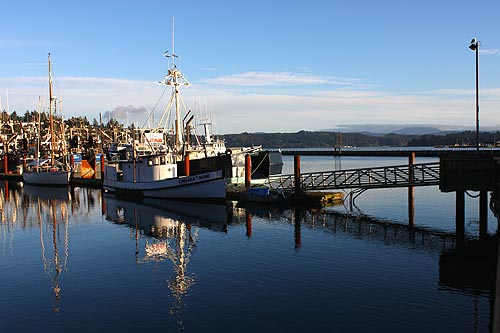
(238, 111)
(490, 51)
(277, 78)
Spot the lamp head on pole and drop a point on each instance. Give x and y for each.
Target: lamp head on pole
(474, 44)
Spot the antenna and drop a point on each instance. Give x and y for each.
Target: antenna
(173, 41)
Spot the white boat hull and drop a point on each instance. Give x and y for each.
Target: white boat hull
(55, 178)
(207, 186)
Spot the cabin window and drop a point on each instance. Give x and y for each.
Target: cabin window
(150, 162)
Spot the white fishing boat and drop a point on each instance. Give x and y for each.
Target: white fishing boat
(48, 171)
(155, 176)
(43, 172)
(206, 152)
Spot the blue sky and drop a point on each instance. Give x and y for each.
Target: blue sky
(273, 66)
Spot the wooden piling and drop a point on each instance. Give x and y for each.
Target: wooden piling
(5, 164)
(248, 171)
(483, 214)
(411, 190)
(102, 166)
(187, 165)
(296, 172)
(460, 218)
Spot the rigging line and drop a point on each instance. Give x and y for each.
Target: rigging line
(154, 108)
(167, 112)
(261, 161)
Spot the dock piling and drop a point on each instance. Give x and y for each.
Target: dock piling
(411, 190)
(460, 218)
(296, 172)
(248, 171)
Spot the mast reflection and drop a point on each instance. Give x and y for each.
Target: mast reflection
(52, 212)
(171, 228)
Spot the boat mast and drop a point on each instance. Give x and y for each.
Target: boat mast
(175, 79)
(50, 116)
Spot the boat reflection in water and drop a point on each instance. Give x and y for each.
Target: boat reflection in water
(51, 210)
(171, 228)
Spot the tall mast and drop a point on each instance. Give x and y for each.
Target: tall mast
(175, 79)
(50, 116)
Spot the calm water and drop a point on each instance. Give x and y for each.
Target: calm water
(81, 261)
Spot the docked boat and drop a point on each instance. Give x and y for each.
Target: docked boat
(206, 152)
(155, 176)
(45, 172)
(49, 171)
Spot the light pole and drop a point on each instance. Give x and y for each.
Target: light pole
(474, 46)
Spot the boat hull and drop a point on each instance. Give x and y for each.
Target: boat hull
(55, 178)
(207, 186)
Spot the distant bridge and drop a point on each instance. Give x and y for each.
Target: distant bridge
(424, 174)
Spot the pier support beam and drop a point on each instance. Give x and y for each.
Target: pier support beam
(460, 218)
(187, 166)
(102, 167)
(483, 214)
(95, 167)
(296, 173)
(5, 164)
(411, 191)
(248, 171)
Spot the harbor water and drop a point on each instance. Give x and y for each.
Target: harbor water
(79, 260)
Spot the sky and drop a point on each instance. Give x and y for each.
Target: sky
(260, 65)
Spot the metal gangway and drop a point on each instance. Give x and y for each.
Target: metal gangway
(424, 174)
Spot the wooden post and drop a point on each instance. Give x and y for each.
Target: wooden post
(187, 170)
(296, 172)
(95, 166)
(6, 189)
(5, 163)
(411, 190)
(102, 166)
(24, 162)
(483, 214)
(248, 171)
(460, 218)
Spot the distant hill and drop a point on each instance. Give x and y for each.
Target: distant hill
(418, 131)
(325, 139)
(382, 129)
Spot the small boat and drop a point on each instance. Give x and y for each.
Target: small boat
(155, 176)
(43, 172)
(48, 171)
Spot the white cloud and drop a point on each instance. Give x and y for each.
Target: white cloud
(490, 51)
(276, 78)
(261, 110)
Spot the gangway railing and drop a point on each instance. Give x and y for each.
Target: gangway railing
(424, 174)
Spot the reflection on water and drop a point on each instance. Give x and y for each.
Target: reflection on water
(173, 230)
(100, 259)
